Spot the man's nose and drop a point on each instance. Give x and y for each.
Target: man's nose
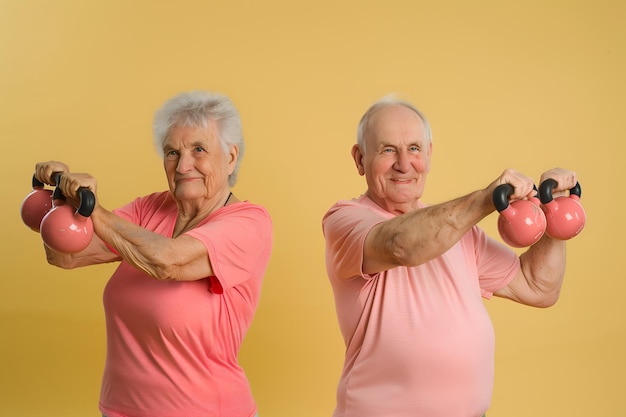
(403, 162)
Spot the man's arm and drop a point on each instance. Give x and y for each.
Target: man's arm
(539, 280)
(423, 234)
(416, 237)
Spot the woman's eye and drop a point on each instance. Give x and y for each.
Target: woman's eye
(199, 149)
(171, 154)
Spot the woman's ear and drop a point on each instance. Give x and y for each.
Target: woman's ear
(233, 154)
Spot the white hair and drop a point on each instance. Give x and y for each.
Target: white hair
(389, 100)
(195, 109)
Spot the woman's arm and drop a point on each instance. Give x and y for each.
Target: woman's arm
(183, 258)
(95, 253)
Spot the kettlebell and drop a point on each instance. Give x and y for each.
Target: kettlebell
(36, 204)
(520, 223)
(66, 229)
(565, 215)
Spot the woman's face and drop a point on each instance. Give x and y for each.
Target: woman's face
(196, 166)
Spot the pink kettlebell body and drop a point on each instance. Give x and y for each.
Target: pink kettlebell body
(36, 204)
(66, 229)
(520, 223)
(565, 215)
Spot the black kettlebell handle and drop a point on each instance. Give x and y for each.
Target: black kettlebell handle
(546, 187)
(87, 202)
(57, 194)
(36, 183)
(501, 196)
(87, 198)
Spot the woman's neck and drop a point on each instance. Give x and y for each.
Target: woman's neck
(190, 214)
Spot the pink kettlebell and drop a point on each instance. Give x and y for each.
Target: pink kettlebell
(565, 215)
(520, 223)
(66, 229)
(36, 204)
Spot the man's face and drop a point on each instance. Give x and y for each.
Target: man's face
(397, 158)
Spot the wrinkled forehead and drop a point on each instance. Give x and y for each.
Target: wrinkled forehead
(395, 122)
(182, 133)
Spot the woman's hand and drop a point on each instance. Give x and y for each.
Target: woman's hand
(69, 183)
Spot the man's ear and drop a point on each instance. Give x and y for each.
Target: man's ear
(357, 155)
(430, 155)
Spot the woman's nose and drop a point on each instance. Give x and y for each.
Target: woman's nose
(185, 163)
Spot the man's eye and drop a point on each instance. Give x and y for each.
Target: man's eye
(388, 150)
(414, 149)
(171, 155)
(199, 149)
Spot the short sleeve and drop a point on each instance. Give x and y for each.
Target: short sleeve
(345, 227)
(497, 264)
(155, 212)
(238, 239)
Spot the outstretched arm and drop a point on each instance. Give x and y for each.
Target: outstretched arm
(423, 234)
(181, 258)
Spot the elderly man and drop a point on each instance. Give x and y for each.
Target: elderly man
(408, 277)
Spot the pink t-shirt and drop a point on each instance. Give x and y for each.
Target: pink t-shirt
(419, 341)
(172, 346)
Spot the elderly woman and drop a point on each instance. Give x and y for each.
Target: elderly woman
(192, 260)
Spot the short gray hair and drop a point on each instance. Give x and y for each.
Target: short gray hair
(195, 109)
(389, 100)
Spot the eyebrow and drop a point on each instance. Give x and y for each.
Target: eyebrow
(166, 144)
(384, 144)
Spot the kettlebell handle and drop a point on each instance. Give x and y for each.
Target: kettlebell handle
(546, 187)
(36, 183)
(87, 202)
(501, 196)
(87, 198)
(57, 194)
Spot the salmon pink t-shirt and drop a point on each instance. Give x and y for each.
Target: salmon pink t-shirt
(419, 341)
(172, 346)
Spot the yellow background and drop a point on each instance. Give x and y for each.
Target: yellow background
(528, 85)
